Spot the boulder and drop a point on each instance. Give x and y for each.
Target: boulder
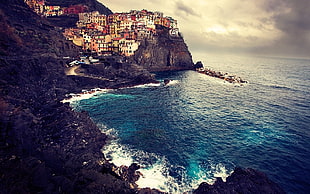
(241, 181)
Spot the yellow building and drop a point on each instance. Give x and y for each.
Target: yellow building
(101, 20)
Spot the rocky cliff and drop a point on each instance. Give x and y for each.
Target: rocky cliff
(164, 52)
(44, 145)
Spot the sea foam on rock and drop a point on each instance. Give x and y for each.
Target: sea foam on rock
(241, 181)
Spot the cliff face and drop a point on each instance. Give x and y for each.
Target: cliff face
(164, 52)
(44, 145)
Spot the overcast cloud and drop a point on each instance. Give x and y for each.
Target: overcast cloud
(267, 27)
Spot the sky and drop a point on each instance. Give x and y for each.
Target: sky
(259, 27)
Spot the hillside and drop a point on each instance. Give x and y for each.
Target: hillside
(93, 5)
(69, 21)
(45, 146)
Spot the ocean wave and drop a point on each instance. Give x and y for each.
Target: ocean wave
(87, 94)
(157, 172)
(152, 85)
(145, 85)
(275, 86)
(83, 95)
(172, 82)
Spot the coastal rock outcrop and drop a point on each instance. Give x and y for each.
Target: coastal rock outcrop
(241, 181)
(164, 52)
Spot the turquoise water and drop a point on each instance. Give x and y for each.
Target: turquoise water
(198, 127)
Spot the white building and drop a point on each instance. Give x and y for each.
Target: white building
(128, 47)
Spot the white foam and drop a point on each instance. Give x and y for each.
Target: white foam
(118, 154)
(155, 168)
(172, 82)
(147, 85)
(85, 94)
(156, 175)
(220, 171)
(153, 175)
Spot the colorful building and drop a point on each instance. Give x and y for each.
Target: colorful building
(36, 5)
(120, 32)
(50, 11)
(127, 47)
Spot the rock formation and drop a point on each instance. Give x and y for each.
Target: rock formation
(164, 52)
(241, 181)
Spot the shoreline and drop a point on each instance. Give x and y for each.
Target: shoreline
(134, 172)
(119, 166)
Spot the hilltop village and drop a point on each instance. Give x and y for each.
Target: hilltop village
(107, 35)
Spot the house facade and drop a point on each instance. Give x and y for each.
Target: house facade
(118, 33)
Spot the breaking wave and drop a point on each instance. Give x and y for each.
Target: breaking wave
(157, 172)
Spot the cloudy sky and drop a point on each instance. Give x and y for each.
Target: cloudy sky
(263, 27)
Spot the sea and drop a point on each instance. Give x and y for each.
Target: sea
(198, 127)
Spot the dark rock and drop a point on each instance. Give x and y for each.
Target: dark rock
(164, 53)
(114, 75)
(241, 181)
(198, 65)
(149, 191)
(166, 81)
